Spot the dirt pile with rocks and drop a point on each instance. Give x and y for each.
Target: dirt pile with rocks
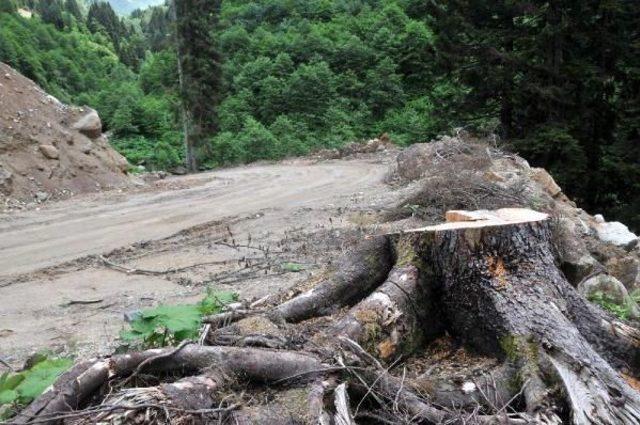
(600, 258)
(49, 150)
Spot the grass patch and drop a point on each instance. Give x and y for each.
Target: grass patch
(608, 303)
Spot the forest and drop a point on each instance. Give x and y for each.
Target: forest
(557, 82)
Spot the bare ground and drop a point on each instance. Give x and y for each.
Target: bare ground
(247, 224)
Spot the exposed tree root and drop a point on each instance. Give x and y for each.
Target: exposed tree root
(493, 284)
(358, 274)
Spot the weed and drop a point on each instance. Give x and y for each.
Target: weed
(623, 311)
(170, 324)
(19, 389)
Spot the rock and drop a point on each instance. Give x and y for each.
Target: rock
(121, 162)
(132, 315)
(612, 289)
(49, 151)
(617, 234)
(41, 196)
(544, 179)
(578, 267)
(86, 147)
(6, 181)
(90, 125)
(626, 270)
(576, 262)
(599, 218)
(414, 161)
(179, 170)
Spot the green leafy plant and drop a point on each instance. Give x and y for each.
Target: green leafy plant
(623, 311)
(170, 324)
(19, 389)
(293, 267)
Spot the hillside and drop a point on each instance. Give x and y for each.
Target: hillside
(284, 87)
(49, 149)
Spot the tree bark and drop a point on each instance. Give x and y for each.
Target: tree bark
(503, 294)
(491, 282)
(359, 272)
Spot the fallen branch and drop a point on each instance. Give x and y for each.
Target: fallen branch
(126, 270)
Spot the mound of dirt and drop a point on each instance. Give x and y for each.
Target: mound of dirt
(466, 173)
(48, 149)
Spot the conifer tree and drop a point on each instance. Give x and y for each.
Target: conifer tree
(200, 74)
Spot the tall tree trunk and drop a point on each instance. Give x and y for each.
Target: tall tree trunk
(200, 75)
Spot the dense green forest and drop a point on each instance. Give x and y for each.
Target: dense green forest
(558, 81)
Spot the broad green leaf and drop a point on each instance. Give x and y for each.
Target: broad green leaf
(10, 381)
(8, 396)
(40, 376)
(292, 267)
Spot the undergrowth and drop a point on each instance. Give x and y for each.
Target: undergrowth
(170, 324)
(608, 303)
(20, 388)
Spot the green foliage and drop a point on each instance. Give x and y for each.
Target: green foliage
(321, 74)
(623, 311)
(268, 79)
(19, 389)
(562, 77)
(170, 324)
(8, 6)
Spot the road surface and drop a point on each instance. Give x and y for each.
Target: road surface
(75, 228)
(76, 308)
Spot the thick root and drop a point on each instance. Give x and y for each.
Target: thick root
(491, 283)
(389, 321)
(359, 273)
(188, 401)
(252, 364)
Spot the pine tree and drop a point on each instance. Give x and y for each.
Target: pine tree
(73, 8)
(200, 74)
(562, 78)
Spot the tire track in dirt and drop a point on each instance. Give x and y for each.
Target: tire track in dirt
(75, 228)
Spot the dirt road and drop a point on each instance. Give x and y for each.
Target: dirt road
(57, 294)
(72, 229)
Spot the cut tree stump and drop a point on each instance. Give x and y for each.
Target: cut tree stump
(487, 278)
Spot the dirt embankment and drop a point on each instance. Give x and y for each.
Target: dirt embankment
(49, 150)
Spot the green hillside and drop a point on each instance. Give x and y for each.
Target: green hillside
(285, 77)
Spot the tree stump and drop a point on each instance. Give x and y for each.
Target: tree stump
(488, 278)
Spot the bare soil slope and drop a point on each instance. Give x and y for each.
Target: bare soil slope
(44, 153)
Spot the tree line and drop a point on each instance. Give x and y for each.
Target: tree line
(558, 81)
